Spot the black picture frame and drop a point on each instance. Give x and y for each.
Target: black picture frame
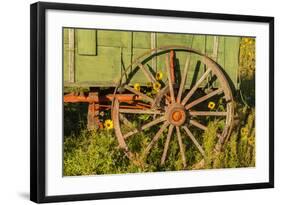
(38, 101)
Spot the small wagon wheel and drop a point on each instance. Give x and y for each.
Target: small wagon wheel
(173, 110)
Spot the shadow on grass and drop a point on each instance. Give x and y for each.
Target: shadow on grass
(75, 118)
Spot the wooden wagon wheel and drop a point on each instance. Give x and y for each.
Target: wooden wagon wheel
(173, 109)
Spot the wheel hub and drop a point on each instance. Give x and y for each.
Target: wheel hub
(176, 114)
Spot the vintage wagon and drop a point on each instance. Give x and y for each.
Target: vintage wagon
(176, 82)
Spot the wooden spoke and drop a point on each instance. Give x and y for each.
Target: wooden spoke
(171, 87)
(155, 138)
(146, 126)
(140, 111)
(215, 48)
(147, 73)
(116, 125)
(167, 143)
(205, 97)
(182, 150)
(183, 79)
(198, 83)
(126, 121)
(191, 136)
(197, 124)
(207, 113)
(143, 104)
(139, 93)
(159, 95)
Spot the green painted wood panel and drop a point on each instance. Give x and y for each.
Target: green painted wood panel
(221, 57)
(209, 51)
(209, 43)
(114, 53)
(196, 67)
(167, 39)
(99, 70)
(65, 56)
(231, 56)
(142, 40)
(65, 35)
(115, 50)
(139, 76)
(114, 38)
(66, 64)
(87, 41)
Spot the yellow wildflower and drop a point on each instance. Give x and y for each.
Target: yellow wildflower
(251, 140)
(244, 131)
(137, 86)
(159, 75)
(211, 105)
(149, 84)
(156, 86)
(108, 124)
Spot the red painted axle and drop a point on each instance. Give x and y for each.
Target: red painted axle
(71, 98)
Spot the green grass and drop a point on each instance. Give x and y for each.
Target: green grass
(90, 152)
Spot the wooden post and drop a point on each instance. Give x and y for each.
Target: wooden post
(93, 114)
(153, 46)
(215, 48)
(71, 55)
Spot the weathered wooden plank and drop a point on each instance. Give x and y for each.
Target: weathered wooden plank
(153, 45)
(71, 54)
(87, 41)
(231, 56)
(100, 59)
(215, 48)
(105, 67)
